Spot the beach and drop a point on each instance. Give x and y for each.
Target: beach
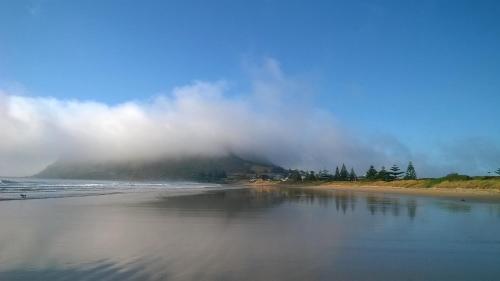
(387, 187)
(232, 232)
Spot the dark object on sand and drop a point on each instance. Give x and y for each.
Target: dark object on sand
(23, 196)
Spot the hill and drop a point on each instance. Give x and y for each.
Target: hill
(192, 168)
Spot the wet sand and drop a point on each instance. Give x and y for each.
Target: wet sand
(265, 233)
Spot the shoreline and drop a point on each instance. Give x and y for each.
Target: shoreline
(452, 193)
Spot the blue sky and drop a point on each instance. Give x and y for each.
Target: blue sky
(423, 72)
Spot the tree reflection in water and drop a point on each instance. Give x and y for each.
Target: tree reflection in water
(232, 202)
(345, 201)
(384, 205)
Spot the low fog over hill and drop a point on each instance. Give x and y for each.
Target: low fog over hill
(191, 168)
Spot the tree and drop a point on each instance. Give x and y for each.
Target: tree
(310, 176)
(336, 177)
(295, 176)
(410, 172)
(395, 172)
(383, 174)
(371, 174)
(344, 174)
(324, 175)
(352, 175)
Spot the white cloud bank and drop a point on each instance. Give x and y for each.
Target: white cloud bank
(274, 122)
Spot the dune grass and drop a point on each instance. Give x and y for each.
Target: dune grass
(449, 182)
(473, 183)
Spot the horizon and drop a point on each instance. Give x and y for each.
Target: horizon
(304, 86)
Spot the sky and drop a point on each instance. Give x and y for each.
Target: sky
(305, 84)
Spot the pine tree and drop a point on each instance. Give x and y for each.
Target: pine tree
(395, 172)
(344, 174)
(371, 174)
(352, 175)
(411, 174)
(383, 174)
(336, 177)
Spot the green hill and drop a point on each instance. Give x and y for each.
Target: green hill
(191, 168)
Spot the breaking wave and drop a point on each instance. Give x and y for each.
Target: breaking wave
(16, 189)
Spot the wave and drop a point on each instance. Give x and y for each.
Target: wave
(38, 188)
(5, 182)
(56, 196)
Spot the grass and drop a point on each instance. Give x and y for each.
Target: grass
(451, 181)
(472, 183)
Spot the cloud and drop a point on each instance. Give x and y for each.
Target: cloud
(275, 121)
(477, 154)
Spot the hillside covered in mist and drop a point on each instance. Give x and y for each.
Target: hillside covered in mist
(188, 168)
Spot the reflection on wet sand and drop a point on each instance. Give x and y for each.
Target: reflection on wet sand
(248, 199)
(455, 207)
(255, 198)
(384, 205)
(249, 234)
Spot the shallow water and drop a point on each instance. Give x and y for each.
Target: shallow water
(33, 188)
(249, 234)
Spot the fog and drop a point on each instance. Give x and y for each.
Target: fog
(275, 121)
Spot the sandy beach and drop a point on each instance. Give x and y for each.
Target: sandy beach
(458, 193)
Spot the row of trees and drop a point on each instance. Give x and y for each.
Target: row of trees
(343, 174)
(394, 173)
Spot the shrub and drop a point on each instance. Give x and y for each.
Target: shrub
(456, 177)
